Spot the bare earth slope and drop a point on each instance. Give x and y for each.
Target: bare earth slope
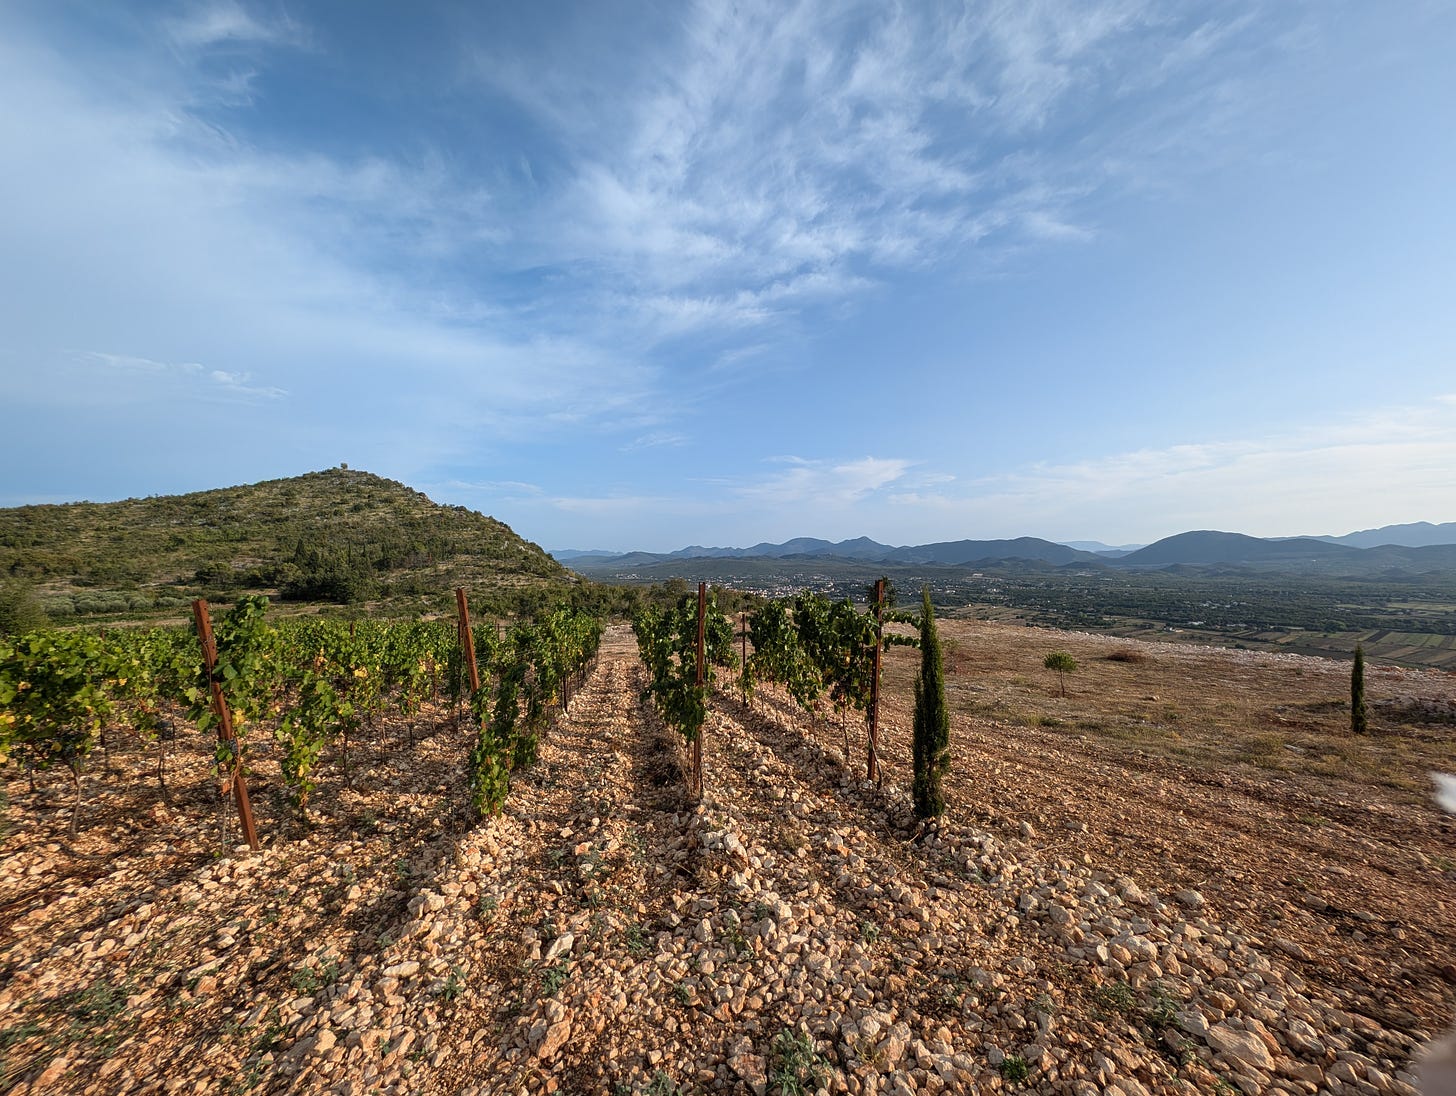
(1099, 913)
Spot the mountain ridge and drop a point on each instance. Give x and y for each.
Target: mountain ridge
(1196, 548)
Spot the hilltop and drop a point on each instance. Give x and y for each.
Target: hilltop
(341, 536)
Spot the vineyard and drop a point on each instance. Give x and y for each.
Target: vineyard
(289, 691)
(546, 858)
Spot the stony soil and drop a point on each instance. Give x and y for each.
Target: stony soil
(1098, 913)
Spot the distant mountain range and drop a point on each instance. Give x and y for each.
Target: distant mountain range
(1418, 548)
(1420, 534)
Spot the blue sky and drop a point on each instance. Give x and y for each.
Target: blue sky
(639, 276)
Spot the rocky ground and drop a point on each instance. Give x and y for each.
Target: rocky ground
(1098, 913)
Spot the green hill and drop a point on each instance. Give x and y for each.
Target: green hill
(340, 536)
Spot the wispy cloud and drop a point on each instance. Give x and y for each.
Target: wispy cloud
(783, 146)
(659, 439)
(234, 384)
(825, 483)
(216, 22)
(239, 384)
(617, 507)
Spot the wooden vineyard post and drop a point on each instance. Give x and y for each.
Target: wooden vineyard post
(697, 789)
(743, 669)
(224, 722)
(467, 640)
(873, 765)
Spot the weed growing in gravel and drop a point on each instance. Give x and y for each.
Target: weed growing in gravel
(12, 1037)
(951, 998)
(309, 981)
(1160, 1009)
(637, 942)
(636, 848)
(1116, 997)
(453, 985)
(553, 978)
(1156, 1011)
(659, 1085)
(98, 1003)
(733, 937)
(269, 1039)
(797, 1067)
(792, 839)
(869, 931)
(1014, 1069)
(683, 994)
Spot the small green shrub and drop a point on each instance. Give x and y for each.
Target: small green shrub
(1014, 1069)
(797, 1067)
(552, 979)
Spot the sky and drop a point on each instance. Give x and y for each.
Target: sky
(638, 276)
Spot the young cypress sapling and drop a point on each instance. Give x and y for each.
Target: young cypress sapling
(1358, 719)
(932, 720)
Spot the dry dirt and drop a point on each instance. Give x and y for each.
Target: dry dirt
(1140, 887)
(1231, 772)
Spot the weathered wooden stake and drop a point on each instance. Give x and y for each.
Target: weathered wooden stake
(467, 640)
(743, 668)
(224, 721)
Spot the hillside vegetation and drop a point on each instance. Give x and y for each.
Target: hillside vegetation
(338, 536)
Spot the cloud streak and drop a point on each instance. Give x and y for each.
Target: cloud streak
(784, 146)
(232, 384)
(220, 22)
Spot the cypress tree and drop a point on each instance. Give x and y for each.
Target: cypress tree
(1357, 692)
(932, 720)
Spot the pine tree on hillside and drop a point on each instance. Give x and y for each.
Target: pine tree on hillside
(932, 721)
(1357, 692)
